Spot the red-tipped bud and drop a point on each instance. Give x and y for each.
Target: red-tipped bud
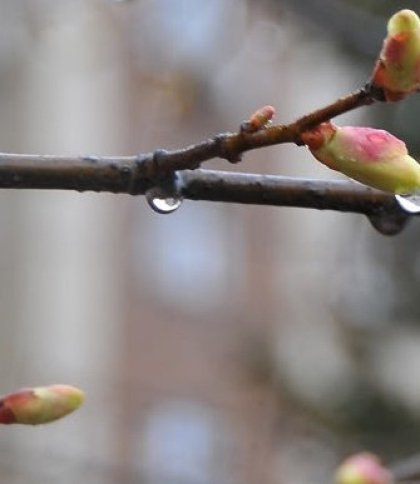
(259, 119)
(397, 71)
(371, 156)
(364, 468)
(38, 405)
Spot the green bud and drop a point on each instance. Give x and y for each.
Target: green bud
(38, 405)
(397, 70)
(373, 157)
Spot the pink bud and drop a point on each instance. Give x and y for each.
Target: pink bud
(371, 156)
(397, 71)
(33, 406)
(259, 119)
(363, 468)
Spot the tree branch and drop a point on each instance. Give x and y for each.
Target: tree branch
(129, 175)
(134, 174)
(138, 174)
(343, 196)
(382, 209)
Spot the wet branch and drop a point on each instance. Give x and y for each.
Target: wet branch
(173, 170)
(246, 188)
(129, 175)
(126, 175)
(135, 174)
(381, 208)
(231, 146)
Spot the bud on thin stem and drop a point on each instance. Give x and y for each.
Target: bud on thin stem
(259, 119)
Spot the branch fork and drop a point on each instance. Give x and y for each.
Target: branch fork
(137, 175)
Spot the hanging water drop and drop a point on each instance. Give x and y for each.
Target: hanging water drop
(389, 223)
(163, 205)
(409, 203)
(162, 200)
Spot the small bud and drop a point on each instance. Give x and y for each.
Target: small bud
(38, 405)
(259, 119)
(363, 468)
(373, 157)
(397, 71)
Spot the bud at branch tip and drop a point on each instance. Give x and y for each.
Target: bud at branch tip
(397, 70)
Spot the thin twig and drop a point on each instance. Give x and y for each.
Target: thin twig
(230, 146)
(134, 174)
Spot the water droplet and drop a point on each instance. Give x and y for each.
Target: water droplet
(389, 223)
(164, 205)
(161, 201)
(409, 203)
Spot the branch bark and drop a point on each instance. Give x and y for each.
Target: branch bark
(136, 175)
(382, 209)
(132, 175)
(343, 196)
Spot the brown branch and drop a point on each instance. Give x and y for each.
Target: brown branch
(246, 188)
(230, 146)
(122, 175)
(138, 174)
(381, 208)
(134, 174)
(126, 175)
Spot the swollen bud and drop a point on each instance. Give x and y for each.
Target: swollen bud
(38, 405)
(363, 468)
(259, 119)
(397, 71)
(373, 157)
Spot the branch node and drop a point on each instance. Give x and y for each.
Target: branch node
(227, 151)
(158, 160)
(141, 160)
(373, 92)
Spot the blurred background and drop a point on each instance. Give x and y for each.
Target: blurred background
(222, 343)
